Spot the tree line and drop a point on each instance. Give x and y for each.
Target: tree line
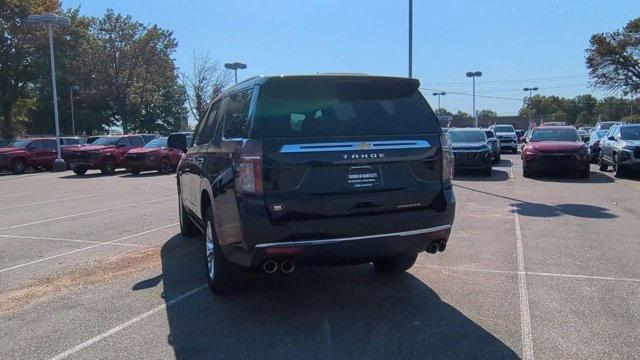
(123, 69)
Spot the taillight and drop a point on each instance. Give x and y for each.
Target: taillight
(447, 158)
(249, 169)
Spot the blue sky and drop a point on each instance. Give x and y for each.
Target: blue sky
(514, 43)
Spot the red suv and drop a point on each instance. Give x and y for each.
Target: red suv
(155, 155)
(22, 154)
(106, 154)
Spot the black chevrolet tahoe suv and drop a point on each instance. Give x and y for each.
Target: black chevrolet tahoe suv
(325, 169)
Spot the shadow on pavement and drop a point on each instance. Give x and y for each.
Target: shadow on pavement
(474, 175)
(143, 174)
(526, 208)
(328, 312)
(594, 178)
(92, 174)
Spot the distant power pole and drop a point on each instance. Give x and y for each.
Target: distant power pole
(410, 38)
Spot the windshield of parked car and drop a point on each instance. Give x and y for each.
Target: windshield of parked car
(20, 144)
(107, 140)
(458, 136)
(597, 135)
(503, 128)
(157, 143)
(550, 134)
(489, 134)
(314, 106)
(607, 125)
(630, 132)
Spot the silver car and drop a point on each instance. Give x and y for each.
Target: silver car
(494, 143)
(620, 148)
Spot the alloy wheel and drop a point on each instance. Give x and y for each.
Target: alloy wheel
(209, 251)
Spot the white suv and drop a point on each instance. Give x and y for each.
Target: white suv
(507, 136)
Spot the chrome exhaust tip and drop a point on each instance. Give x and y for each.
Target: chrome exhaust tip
(442, 246)
(270, 266)
(287, 266)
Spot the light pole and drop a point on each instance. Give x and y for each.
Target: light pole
(73, 119)
(50, 20)
(474, 75)
(410, 38)
(530, 90)
(235, 66)
(438, 94)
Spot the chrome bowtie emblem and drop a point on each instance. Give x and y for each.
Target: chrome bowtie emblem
(364, 146)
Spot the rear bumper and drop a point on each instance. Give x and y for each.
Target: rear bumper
(351, 249)
(340, 240)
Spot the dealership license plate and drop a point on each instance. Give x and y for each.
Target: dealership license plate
(363, 177)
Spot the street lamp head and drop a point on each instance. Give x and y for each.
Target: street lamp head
(235, 66)
(474, 73)
(477, 73)
(439, 93)
(48, 19)
(535, 89)
(470, 74)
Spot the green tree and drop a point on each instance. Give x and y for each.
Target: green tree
(613, 59)
(17, 56)
(443, 112)
(487, 114)
(131, 62)
(559, 116)
(584, 119)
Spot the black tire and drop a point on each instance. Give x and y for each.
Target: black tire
(135, 171)
(526, 173)
(395, 264)
(514, 150)
(165, 166)
(602, 165)
(80, 170)
(187, 227)
(109, 167)
(18, 166)
(618, 169)
(222, 275)
(585, 174)
(496, 160)
(487, 172)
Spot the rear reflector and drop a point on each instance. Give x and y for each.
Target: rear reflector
(285, 251)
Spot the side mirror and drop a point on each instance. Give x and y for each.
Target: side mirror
(611, 138)
(177, 141)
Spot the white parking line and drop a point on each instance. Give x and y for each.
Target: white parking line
(50, 201)
(571, 276)
(525, 317)
(125, 325)
(67, 240)
(85, 248)
(85, 213)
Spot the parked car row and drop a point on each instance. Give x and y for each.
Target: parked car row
(105, 153)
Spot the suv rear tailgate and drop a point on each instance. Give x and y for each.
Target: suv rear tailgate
(308, 179)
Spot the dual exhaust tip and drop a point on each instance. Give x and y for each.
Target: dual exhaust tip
(270, 266)
(436, 246)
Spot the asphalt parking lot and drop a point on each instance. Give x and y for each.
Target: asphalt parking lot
(546, 268)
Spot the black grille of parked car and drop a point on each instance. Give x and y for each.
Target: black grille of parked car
(469, 155)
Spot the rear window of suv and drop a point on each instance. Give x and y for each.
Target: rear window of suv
(335, 107)
(503, 129)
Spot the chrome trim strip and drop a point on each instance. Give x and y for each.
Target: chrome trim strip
(355, 146)
(339, 240)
